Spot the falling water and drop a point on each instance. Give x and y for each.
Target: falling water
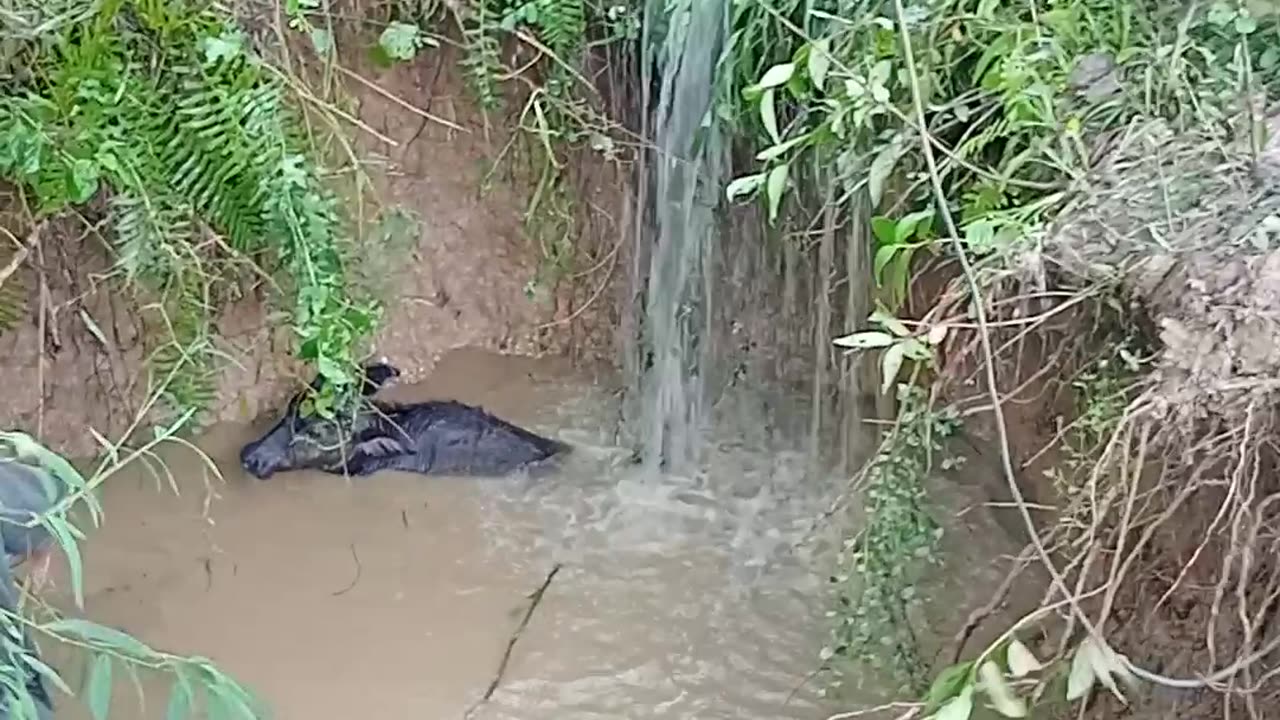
(682, 45)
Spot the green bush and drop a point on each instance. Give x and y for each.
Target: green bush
(163, 105)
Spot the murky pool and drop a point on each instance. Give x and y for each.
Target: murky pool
(396, 596)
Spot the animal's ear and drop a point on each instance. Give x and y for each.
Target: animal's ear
(378, 374)
(379, 446)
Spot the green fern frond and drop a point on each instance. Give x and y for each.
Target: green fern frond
(482, 61)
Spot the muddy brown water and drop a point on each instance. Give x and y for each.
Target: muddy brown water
(395, 596)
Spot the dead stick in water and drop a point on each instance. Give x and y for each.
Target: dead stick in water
(535, 599)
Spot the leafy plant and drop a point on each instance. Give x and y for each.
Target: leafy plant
(166, 107)
(106, 649)
(401, 41)
(1015, 682)
(899, 344)
(559, 112)
(877, 587)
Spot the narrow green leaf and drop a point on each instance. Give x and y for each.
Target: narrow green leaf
(884, 255)
(895, 326)
(769, 115)
(865, 340)
(98, 693)
(775, 186)
(1021, 660)
(63, 533)
(777, 75)
(107, 447)
(1081, 678)
(773, 152)
(179, 707)
(997, 688)
(820, 62)
(898, 273)
(890, 366)
(93, 328)
(743, 186)
(101, 635)
(49, 673)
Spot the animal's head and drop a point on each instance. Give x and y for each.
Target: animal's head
(297, 441)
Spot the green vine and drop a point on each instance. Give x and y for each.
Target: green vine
(877, 585)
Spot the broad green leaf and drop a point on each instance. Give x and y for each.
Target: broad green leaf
(949, 684)
(769, 115)
(907, 226)
(959, 707)
(884, 255)
(777, 75)
(745, 185)
(865, 340)
(820, 62)
(883, 228)
(63, 533)
(1081, 678)
(997, 688)
(98, 693)
(890, 365)
(1021, 660)
(775, 186)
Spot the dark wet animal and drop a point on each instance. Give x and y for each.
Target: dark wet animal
(431, 438)
(25, 493)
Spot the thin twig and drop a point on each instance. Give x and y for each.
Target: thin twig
(399, 101)
(535, 599)
(356, 579)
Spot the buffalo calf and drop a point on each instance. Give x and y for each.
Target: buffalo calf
(431, 438)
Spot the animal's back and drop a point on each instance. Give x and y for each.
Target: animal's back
(452, 438)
